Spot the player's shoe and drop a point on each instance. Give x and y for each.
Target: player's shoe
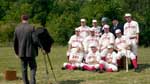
(63, 68)
(137, 70)
(101, 71)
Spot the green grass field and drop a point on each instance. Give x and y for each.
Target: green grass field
(8, 60)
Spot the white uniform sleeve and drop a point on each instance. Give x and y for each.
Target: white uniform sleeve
(88, 31)
(112, 38)
(100, 40)
(85, 44)
(137, 28)
(124, 28)
(115, 44)
(98, 57)
(114, 59)
(70, 40)
(87, 60)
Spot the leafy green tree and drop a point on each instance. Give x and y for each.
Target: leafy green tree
(61, 17)
(40, 10)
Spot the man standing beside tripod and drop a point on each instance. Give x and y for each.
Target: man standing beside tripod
(25, 49)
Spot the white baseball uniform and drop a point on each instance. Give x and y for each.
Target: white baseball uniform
(105, 40)
(84, 31)
(111, 62)
(122, 43)
(130, 30)
(92, 61)
(75, 42)
(75, 59)
(88, 41)
(97, 31)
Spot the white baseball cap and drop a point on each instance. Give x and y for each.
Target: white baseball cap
(105, 26)
(82, 20)
(127, 15)
(94, 20)
(92, 45)
(110, 46)
(92, 29)
(118, 31)
(77, 29)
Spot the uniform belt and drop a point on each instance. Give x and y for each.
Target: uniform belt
(132, 37)
(74, 47)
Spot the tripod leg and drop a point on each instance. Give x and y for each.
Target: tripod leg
(42, 50)
(51, 67)
(46, 67)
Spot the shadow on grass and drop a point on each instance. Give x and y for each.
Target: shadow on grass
(144, 66)
(141, 67)
(71, 82)
(1, 77)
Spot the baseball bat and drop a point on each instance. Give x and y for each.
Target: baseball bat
(127, 68)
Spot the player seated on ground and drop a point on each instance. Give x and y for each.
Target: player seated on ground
(75, 42)
(122, 45)
(111, 62)
(75, 59)
(106, 39)
(93, 60)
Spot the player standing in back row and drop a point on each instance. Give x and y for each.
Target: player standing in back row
(96, 28)
(84, 29)
(131, 30)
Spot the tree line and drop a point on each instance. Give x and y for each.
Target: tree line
(61, 17)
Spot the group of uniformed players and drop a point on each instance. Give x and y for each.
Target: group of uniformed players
(99, 49)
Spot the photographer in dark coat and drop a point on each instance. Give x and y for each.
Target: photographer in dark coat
(25, 49)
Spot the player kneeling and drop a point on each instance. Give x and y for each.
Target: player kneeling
(122, 44)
